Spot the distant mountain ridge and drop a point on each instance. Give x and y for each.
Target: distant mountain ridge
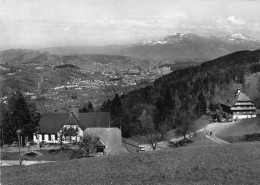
(176, 46)
(12, 57)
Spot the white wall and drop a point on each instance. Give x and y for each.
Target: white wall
(46, 136)
(243, 116)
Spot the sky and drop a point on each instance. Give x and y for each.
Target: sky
(49, 23)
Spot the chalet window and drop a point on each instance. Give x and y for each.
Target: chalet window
(43, 137)
(49, 135)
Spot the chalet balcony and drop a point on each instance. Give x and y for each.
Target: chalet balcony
(242, 108)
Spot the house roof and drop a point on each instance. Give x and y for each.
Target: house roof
(100, 144)
(94, 119)
(226, 108)
(53, 122)
(242, 97)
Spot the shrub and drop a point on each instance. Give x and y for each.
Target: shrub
(251, 137)
(87, 147)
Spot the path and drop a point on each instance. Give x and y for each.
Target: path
(16, 162)
(218, 129)
(40, 81)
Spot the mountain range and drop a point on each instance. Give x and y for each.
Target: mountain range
(174, 47)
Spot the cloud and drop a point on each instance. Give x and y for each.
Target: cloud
(232, 19)
(180, 15)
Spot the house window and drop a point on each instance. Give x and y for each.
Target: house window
(100, 149)
(56, 137)
(49, 135)
(43, 137)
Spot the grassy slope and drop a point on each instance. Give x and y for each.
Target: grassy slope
(47, 155)
(235, 132)
(229, 164)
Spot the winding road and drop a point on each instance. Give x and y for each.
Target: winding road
(218, 129)
(39, 86)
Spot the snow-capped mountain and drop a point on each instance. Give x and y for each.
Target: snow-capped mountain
(239, 37)
(174, 47)
(178, 37)
(172, 38)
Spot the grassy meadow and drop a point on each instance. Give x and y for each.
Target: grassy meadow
(235, 133)
(215, 164)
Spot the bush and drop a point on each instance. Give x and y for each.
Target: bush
(4, 156)
(251, 137)
(182, 142)
(87, 147)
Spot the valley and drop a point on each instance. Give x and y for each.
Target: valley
(51, 79)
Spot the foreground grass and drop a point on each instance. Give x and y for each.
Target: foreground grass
(216, 164)
(235, 133)
(47, 155)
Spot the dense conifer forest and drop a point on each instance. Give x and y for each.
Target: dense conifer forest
(188, 91)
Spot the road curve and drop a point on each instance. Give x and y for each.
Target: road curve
(40, 81)
(219, 129)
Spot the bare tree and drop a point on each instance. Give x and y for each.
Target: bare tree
(149, 131)
(184, 124)
(87, 147)
(71, 131)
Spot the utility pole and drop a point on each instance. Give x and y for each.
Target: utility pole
(19, 138)
(206, 120)
(2, 129)
(205, 132)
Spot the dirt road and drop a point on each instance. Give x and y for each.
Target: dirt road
(218, 129)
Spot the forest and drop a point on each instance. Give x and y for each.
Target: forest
(182, 96)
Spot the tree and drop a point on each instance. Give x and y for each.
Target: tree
(148, 129)
(116, 105)
(184, 123)
(201, 105)
(90, 107)
(84, 110)
(19, 114)
(87, 147)
(106, 106)
(70, 132)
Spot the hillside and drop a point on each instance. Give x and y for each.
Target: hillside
(211, 78)
(229, 164)
(192, 89)
(237, 131)
(29, 57)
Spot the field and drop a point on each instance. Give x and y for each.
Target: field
(234, 133)
(216, 164)
(47, 155)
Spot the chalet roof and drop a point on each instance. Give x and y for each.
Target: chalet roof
(53, 122)
(242, 97)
